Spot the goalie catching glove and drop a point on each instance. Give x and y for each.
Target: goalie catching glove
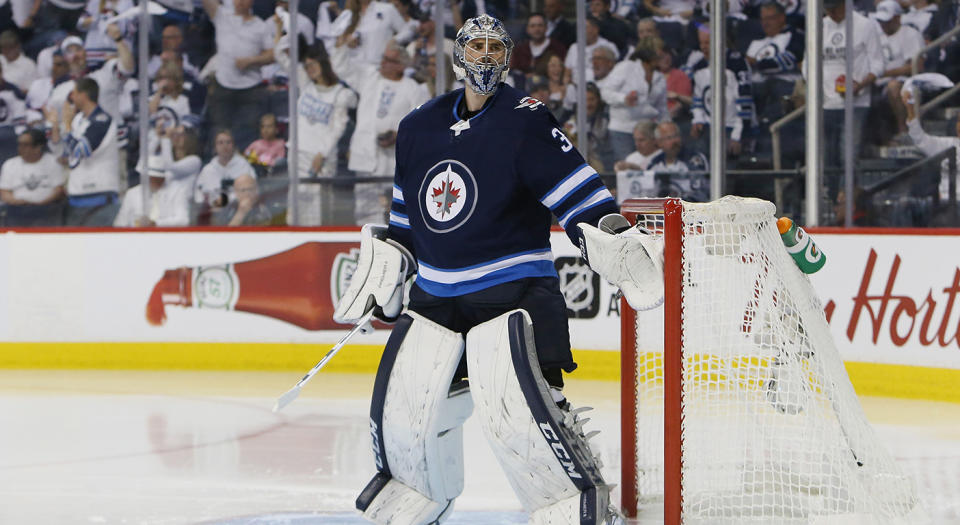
(378, 282)
(627, 257)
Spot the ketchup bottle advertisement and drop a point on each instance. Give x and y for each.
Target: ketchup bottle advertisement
(299, 286)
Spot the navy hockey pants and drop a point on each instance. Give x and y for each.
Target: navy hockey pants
(539, 296)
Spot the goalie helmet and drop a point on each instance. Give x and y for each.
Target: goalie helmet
(485, 71)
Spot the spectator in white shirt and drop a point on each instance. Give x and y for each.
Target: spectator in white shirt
(41, 88)
(23, 15)
(168, 205)
(180, 150)
(633, 179)
(867, 58)
(168, 105)
(214, 185)
(31, 182)
(171, 40)
(110, 78)
(244, 44)
(97, 42)
(89, 148)
(593, 41)
(321, 120)
(379, 23)
(385, 98)
(900, 44)
(13, 107)
(623, 88)
(18, 69)
(304, 24)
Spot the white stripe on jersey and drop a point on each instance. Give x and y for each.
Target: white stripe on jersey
(595, 198)
(475, 272)
(399, 220)
(568, 186)
(397, 194)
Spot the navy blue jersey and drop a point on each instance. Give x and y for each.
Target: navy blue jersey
(473, 199)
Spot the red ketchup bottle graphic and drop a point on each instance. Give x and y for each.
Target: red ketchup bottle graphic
(293, 286)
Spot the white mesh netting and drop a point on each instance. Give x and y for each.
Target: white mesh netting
(772, 431)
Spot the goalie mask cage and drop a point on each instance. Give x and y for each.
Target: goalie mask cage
(736, 407)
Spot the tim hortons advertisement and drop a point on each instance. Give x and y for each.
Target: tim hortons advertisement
(889, 298)
(893, 298)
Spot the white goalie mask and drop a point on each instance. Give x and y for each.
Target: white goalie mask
(484, 65)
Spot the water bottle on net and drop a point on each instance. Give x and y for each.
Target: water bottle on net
(800, 246)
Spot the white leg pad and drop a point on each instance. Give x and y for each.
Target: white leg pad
(416, 423)
(396, 503)
(567, 511)
(548, 464)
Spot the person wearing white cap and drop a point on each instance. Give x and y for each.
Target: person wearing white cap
(109, 78)
(168, 201)
(900, 44)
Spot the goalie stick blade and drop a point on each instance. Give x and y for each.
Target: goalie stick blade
(363, 325)
(286, 399)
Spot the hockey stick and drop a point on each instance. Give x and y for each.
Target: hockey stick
(361, 326)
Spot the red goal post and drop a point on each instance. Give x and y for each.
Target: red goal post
(668, 225)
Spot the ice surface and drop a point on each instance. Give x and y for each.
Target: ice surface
(125, 447)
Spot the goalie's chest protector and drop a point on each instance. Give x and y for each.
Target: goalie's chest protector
(470, 193)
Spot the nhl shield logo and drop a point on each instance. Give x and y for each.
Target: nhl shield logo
(580, 287)
(448, 196)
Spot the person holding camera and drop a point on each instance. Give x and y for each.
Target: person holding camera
(248, 209)
(214, 186)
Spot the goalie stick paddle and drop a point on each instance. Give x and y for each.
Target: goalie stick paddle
(292, 394)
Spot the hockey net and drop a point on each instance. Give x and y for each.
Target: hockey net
(736, 404)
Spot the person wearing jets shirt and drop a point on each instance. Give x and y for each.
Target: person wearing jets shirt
(775, 59)
(86, 140)
(480, 172)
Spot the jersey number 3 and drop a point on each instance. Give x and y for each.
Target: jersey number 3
(565, 144)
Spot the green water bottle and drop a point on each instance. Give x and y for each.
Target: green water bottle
(800, 246)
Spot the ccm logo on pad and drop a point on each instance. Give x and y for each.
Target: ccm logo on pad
(558, 450)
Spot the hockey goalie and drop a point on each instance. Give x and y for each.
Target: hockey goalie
(479, 172)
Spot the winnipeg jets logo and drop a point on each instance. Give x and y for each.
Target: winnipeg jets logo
(529, 102)
(448, 196)
(768, 51)
(444, 196)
